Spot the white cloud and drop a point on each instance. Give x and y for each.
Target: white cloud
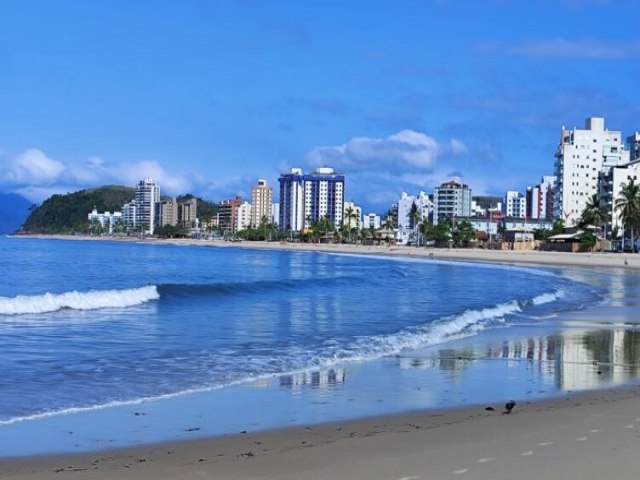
(35, 176)
(30, 167)
(169, 183)
(458, 147)
(406, 150)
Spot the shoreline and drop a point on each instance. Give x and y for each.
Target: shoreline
(627, 261)
(430, 443)
(424, 444)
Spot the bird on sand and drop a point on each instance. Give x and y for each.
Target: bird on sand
(509, 406)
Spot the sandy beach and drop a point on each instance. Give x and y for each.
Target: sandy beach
(587, 436)
(590, 435)
(528, 257)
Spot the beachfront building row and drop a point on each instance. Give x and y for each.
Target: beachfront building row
(234, 215)
(583, 157)
(147, 211)
(308, 198)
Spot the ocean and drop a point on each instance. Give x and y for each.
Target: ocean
(96, 331)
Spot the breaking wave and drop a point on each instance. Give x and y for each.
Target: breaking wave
(547, 297)
(74, 300)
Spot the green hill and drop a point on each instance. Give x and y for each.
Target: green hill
(68, 213)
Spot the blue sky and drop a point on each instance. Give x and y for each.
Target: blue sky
(209, 96)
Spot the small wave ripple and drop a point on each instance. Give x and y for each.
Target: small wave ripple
(91, 300)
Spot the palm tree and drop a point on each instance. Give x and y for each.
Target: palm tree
(593, 213)
(415, 216)
(628, 204)
(350, 219)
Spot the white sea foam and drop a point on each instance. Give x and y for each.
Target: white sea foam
(91, 300)
(548, 297)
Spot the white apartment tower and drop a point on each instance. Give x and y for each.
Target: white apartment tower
(580, 158)
(261, 199)
(146, 196)
(305, 199)
(323, 197)
(243, 216)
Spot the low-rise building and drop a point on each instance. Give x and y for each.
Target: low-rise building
(371, 220)
(106, 220)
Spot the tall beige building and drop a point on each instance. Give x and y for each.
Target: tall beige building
(261, 198)
(187, 213)
(167, 212)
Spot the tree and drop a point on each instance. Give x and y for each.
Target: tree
(628, 204)
(350, 220)
(441, 232)
(593, 213)
(415, 217)
(387, 223)
(541, 233)
(588, 240)
(464, 233)
(558, 227)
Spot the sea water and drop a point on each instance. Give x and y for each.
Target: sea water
(90, 326)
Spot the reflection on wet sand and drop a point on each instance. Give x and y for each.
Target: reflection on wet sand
(318, 379)
(571, 360)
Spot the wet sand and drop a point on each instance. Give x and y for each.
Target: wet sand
(586, 436)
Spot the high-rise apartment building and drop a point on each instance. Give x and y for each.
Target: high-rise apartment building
(451, 199)
(581, 157)
(408, 221)
(261, 200)
(305, 199)
(146, 196)
(540, 199)
(292, 201)
(514, 205)
(243, 217)
(188, 213)
(634, 146)
(166, 212)
(226, 216)
(323, 197)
